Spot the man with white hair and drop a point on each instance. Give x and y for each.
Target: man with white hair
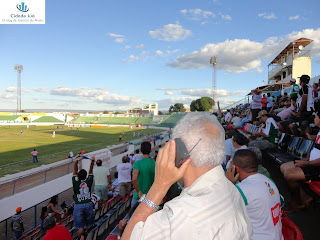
(209, 207)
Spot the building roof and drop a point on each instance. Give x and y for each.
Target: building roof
(294, 44)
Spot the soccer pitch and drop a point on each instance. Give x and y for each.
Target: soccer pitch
(15, 148)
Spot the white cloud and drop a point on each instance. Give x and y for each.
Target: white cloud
(226, 17)
(40, 90)
(173, 51)
(133, 58)
(208, 92)
(294, 17)
(127, 47)
(140, 46)
(115, 35)
(8, 96)
(119, 40)
(14, 89)
(242, 55)
(99, 95)
(169, 93)
(144, 53)
(158, 52)
(170, 32)
(197, 14)
(267, 16)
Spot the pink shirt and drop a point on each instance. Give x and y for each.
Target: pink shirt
(285, 113)
(34, 153)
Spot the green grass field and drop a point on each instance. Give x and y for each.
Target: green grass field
(15, 149)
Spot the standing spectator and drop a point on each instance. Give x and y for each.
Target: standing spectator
(52, 207)
(102, 180)
(124, 176)
(306, 106)
(71, 155)
(120, 137)
(228, 117)
(264, 102)
(54, 134)
(260, 194)
(21, 131)
(134, 133)
(82, 212)
(295, 88)
(34, 154)
(143, 173)
(256, 104)
(137, 156)
(55, 232)
(269, 102)
(17, 223)
(81, 152)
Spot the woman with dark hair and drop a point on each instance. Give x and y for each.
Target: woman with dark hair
(298, 171)
(43, 215)
(52, 207)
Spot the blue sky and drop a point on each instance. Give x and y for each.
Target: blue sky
(111, 55)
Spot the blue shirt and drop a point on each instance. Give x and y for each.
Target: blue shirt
(244, 120)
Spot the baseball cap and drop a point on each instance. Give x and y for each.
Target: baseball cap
(305, 78)
(18, 209)
(262, 113)
(293, 80)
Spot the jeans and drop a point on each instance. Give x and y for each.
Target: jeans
(83, 215)
(18, 234)
(35, 158)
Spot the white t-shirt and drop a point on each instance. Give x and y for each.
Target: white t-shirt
(228, 117)
(115, 185)
(262, 200)
(235, 121)
(71, 154)
(229, 149)
(256, 101)
(242, 147)
(137, 157)
(269, 102)
(95, 199)
(124, 172)
(101, 175)
(315, 153)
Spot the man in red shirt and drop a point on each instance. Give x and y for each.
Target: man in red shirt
(55, 232)
(264, 101)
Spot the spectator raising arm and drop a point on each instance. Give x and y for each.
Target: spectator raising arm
(91, 166)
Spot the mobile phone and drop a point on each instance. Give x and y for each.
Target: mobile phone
(182, 153)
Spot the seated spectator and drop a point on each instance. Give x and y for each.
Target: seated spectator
(262, 170)
(269, 102)
(289, 119)
(229, 149)
(95, 199)
(209, 207)
(52, 208)
(64, 209)
(264, 102)
(115, 185)
(55, 232)
(124, 176)
(235, 121)
(239, 142)
(260, 194)
(244, 120)
(269, 134)
(43, 215)
(298, 171)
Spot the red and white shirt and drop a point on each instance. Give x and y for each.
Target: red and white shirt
(262, 200)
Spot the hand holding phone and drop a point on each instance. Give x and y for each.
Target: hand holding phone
(182, 153)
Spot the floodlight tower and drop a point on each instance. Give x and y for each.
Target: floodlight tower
(213, 63)
(19, 69)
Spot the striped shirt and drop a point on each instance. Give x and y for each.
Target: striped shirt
(211, 208)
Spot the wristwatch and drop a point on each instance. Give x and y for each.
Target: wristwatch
(147, 201)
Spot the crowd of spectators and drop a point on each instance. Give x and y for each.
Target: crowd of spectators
(228, 193)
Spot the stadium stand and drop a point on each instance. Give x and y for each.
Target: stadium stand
(8, 118)
(171, 121)
(144, 120)
(85, 120)
(48, 119)
(117, 120)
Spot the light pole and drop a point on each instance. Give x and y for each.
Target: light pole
(19, 69)
(213, 63)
